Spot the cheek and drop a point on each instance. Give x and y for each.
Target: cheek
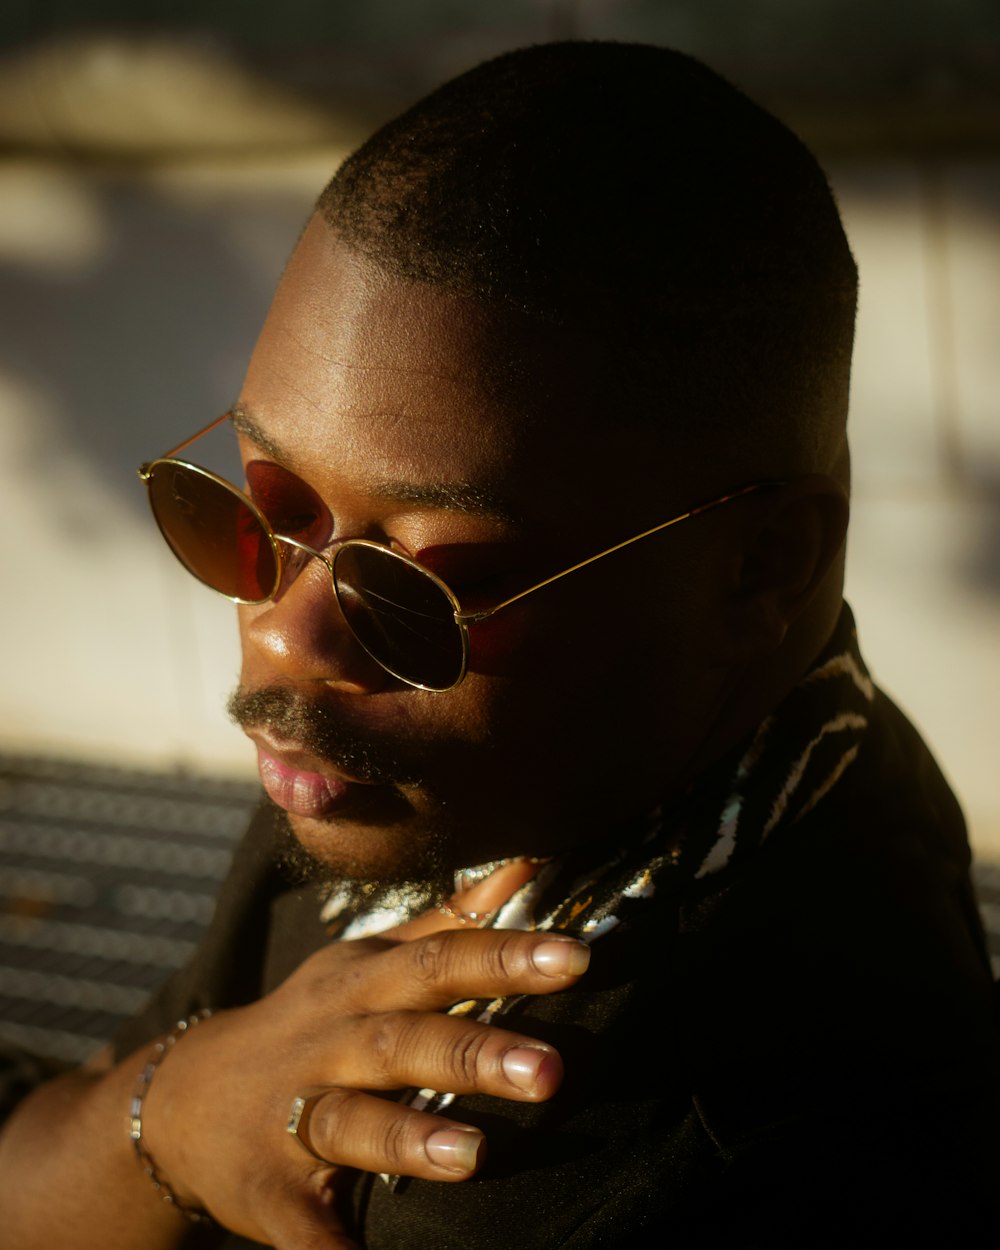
(497, 646)
(600, 659)
(565, 631)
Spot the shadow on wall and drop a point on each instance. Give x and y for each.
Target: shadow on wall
(131, 294)
(982, 568)
(918, 68)
(142, 335)
(132, 300)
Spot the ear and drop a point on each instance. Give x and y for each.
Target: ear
(789, 549)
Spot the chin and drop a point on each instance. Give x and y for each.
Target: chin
(336, 850)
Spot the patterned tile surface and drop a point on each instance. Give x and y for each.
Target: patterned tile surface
(107, 880)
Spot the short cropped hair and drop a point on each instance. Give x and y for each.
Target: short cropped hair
(631, 194)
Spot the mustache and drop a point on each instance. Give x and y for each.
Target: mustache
(323, 731)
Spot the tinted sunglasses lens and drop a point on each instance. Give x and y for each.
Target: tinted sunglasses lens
(400, 615)
(214, 533)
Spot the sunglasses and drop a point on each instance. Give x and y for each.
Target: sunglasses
(406, 618)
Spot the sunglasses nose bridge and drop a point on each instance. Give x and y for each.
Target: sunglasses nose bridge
(300, 635)
(294, 558)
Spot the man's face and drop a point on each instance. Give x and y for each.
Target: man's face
(397, 412)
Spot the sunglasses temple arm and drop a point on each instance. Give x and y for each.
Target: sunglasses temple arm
(473, 618)
(194, 437)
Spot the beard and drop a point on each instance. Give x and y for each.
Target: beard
(377, 761)
(300, 868)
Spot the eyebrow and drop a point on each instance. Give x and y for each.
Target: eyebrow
(453, 496)
(244, 424)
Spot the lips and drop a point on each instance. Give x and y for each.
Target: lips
(298, 790)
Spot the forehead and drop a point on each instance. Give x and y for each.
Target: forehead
(386, 380)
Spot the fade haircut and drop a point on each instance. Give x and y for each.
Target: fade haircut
(630, 194)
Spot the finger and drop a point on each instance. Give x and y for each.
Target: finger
(485, 896)
(402, 1048)
(358, 1130)
(433, 972)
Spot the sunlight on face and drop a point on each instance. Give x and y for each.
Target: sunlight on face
(426, 422)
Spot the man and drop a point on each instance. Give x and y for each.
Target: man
(540, 565)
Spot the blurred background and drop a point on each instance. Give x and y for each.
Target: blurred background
(155, 170)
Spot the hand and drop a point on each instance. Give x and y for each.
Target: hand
(356, 1016)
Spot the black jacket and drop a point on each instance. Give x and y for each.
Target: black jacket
(801, 1049)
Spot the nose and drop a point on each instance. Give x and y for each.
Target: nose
(301, 636)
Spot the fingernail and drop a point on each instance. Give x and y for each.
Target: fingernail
(457, 1149)
(521, 1066)
(559, 958)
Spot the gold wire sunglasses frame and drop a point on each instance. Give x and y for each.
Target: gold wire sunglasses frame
(342, 590)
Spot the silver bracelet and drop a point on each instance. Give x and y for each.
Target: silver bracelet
(146, 1160)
